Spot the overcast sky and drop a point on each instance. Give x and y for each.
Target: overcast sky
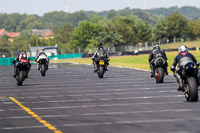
(43, 6)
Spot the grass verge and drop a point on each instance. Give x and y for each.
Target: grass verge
(140, 61)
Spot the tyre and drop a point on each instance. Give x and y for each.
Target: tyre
(101, 71)
(20, 78)
(160, 75)
(43, 70)
(192, 94)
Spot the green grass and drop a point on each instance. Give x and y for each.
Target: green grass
(140, 61)
(176, 45)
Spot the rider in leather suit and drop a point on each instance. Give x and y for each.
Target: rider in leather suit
(22, 56)
(100, 53)
(157, 52)
(182, 59)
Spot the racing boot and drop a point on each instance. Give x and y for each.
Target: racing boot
(95, 67)
(180, 88)
(166, 71)
(38, 68)
(47, 67)
(15, 72)
(14, 75)
(106, 69)
(152, 71)
(26, 76)
(152, 74)
(179, 81)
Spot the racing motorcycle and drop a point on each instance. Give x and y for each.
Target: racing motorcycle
(190, 81)
(43, 64)
(101, 68)
(159, 70)
(22, 73)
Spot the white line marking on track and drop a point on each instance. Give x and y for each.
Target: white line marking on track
(110, 123)
(92, 90)
(107, 113)
(97, 94)
(99, 105)
(106, 99)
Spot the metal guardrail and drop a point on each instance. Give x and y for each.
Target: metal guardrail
(139, 52)
(9, 61)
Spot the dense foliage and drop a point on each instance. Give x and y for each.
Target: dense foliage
(84, 31)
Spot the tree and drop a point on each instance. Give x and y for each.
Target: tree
(63, 34)
(194, 26)
(127, 29)
(29, 23)
(95, 18)
(177, 26)
(160, 31)
(144, 32)
(84, 34)
(109, 37)
(76, 17)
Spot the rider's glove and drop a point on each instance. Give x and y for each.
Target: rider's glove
(172, 68)
(197, 64)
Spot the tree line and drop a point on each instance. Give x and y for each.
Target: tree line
(83, 31)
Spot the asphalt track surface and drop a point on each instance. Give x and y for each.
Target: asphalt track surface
(72, 99)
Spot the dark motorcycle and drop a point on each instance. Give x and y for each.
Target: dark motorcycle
(101, 68)
(190, 82)
(22, 73)
(43, 65)
(159, 70)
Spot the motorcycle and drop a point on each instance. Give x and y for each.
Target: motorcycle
(101, 68)
(22, 73)
(190, 82)
(43, 64)
(159, 69)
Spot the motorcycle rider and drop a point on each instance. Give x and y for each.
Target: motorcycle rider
(99, 54)
(21, 57)
(182, 59)
(36, 59)
(157, 52)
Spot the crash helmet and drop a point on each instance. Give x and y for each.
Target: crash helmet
(183, 48)
(101, 47)
(23, 52)
(41, 51)
(156, 46)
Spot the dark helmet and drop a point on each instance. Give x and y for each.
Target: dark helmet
(23, 52)
(100, 47)
(156, 46)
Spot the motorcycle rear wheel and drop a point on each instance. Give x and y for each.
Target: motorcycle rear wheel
(101, 71)
(192, 90)
(160, 75)
(20, 78)
(43, 70)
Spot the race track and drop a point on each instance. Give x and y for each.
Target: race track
(72, 99)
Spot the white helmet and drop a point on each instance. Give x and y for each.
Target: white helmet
(183, 48)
